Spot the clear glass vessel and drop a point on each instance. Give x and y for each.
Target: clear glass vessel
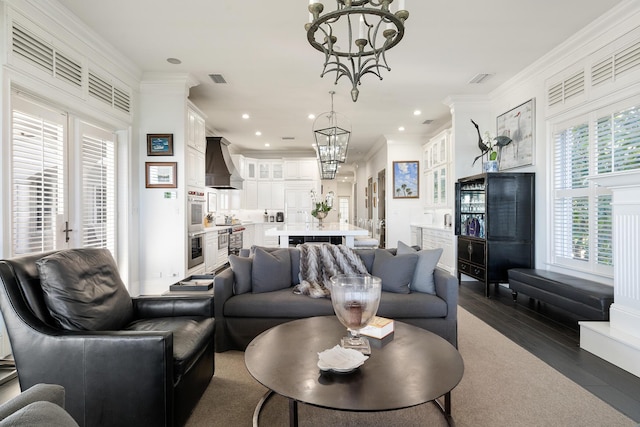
(355, 299)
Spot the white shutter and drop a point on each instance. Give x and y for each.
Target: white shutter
(98, 188)
(37, 176)
(604, 230)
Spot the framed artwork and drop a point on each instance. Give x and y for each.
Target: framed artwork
(159, 144)
(406, 180)
(518, 124)
(161, 174)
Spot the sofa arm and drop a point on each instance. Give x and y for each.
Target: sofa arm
(172, 306)
(447, 289)
(223, 290)
(53, 393)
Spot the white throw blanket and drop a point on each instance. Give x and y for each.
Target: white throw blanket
(318, 263)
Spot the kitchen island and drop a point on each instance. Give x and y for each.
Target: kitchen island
(331, 232)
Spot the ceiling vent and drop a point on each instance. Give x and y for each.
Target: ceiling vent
(217, 78)
(427, 122)
(479, 78)
(288, 138)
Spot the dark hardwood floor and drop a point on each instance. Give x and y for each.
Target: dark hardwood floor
(553, 336)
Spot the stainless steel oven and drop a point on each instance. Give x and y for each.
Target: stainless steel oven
(195, 211)
(195, 249)
(235, 240)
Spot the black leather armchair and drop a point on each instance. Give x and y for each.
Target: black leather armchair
(151, 372)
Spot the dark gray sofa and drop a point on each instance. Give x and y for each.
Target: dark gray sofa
(242, 317)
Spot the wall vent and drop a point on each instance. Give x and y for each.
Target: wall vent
(217, 78)
(616, 65)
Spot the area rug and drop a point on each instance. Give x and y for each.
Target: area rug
(503, 385)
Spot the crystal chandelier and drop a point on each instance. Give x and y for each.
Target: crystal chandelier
(355, 37)
(331, 132)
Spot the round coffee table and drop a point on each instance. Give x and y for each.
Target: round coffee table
(410, 367)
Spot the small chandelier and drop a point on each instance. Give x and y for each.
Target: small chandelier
(327, 170)
(331, 132)
(333, 34)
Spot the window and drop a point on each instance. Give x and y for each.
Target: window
(602, 142)
(54, 205)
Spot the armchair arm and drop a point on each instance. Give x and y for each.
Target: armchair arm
(101, 370)
(53, 393)
(172, 306)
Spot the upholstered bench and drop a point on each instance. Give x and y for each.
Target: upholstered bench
(587, 299)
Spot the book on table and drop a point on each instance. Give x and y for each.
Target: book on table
(379, 327)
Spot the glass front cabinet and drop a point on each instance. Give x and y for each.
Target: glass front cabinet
(495, 225)
(436, 161)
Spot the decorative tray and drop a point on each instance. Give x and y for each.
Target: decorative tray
(197, 282)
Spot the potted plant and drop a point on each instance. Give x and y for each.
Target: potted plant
(321, 206)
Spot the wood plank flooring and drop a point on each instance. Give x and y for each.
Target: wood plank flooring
(553, 336)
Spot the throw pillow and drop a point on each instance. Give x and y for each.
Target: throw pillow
(83, 290)
(241, 267)
(294, 253)
(396, 271)
(271, 270)
(423, 276)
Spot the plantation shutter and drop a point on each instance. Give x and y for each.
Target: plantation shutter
(37, 176)
(618, 141)
(571, 202)
(98, 188)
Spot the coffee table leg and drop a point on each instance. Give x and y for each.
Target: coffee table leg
(446, 409)
(447, 404)
(293, 413)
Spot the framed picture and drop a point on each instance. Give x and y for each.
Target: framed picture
(161, 174)
(518, 124)
(406, 180)
(159, 144)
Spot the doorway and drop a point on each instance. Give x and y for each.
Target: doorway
(382, 181)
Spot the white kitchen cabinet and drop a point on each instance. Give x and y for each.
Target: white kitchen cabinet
(195, 168)
(270, 195)
(211, 251)
(250, 189)
(433, 238)
(270, 170)
(248, 236)
(297, 199)
(196, 130)
(436, 166)
(250, 168)
(301, 169)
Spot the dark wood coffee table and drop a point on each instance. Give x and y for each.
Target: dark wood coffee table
(410, 367)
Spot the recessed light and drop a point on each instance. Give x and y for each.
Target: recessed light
(267, 145)
(311, 116)
(245, 116)
(174, 61)
(258, 133)
(401, 128)
(417, 113)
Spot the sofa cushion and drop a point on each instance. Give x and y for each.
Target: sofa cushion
(416, 305)
(271, 270)
(83, 290)
(367, 256)
(277, 304)
(422, 280)
(295, 260)
(241, 267)
(396, 271)
(191, 335)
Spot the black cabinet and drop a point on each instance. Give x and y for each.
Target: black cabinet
(495, 225)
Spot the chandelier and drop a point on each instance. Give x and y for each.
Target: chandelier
(347, 53)
(328, 170)
(331, 132)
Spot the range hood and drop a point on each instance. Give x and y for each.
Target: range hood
(220, 171)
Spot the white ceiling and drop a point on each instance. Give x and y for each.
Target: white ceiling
(273, 74)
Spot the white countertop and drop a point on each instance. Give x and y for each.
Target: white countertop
(432, 226)
(312, 229)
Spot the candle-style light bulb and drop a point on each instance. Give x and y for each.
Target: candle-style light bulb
(361, 28)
